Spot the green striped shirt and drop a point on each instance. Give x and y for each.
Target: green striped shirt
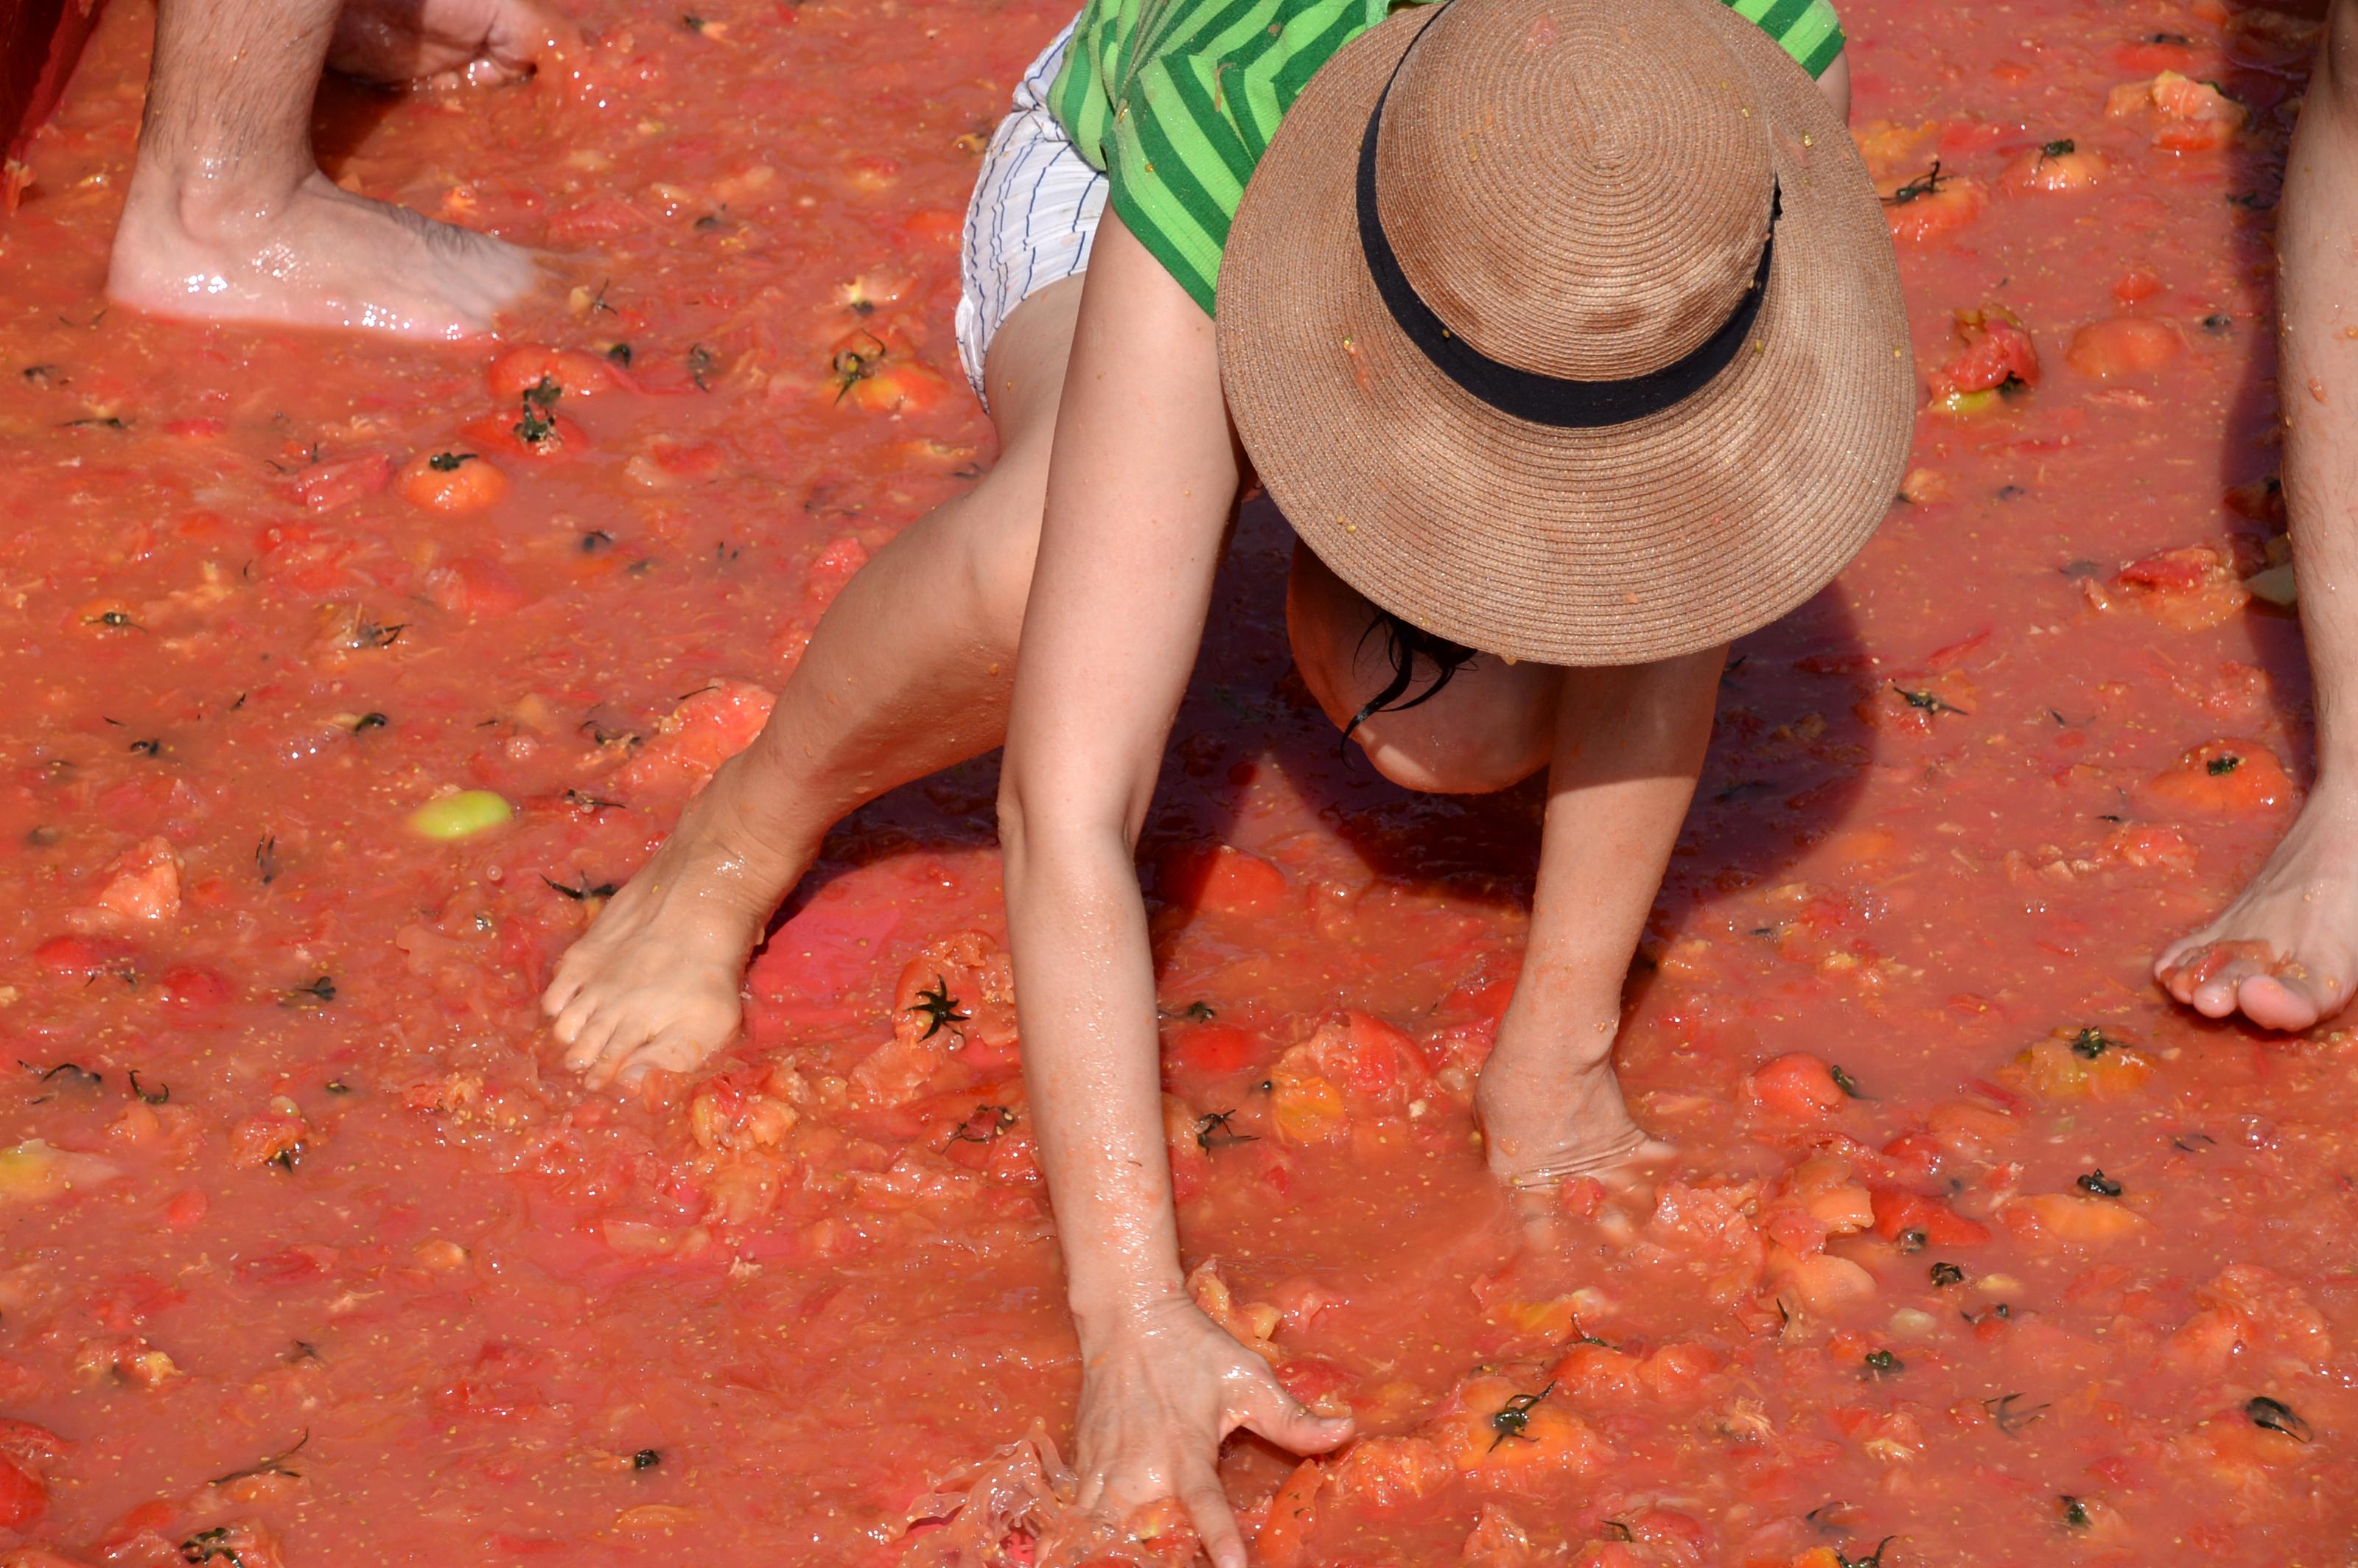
(1176, 100)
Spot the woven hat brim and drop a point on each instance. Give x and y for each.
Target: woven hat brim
(1635, 542)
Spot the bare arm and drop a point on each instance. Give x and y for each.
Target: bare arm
(1629, 744)
(1835, 85)
(1140, 491)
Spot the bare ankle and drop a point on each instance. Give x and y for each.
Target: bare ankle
(755, 810)
(212, 198)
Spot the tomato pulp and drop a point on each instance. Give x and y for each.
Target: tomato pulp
(343, 678)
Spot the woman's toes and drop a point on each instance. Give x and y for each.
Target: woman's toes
(2216, 996)
(2277, 1002)
(594, 1038)
(614, 1053)
(678, 1049)
(563, 986)
(572, 1028)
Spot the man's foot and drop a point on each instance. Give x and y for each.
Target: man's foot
(485, 42)
(655, 982)
(320, 257)
(1546, 1123)
(2285, 954)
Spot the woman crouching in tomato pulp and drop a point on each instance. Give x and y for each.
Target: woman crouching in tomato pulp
(1568, 337)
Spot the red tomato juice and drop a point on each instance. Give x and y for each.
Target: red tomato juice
(1974, 1247)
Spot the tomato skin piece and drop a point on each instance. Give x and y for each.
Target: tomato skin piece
(2170, 571)
(23, 1498)
(339, 481)
(194, 990)
(2154, 55)
(2223, 778)
(1955, 202)
(2181, 116)
(477, 587)
(1797, 1086)
(903, 388)
(1550, 1439)
(1597, 1377)
(1214, 1050)
(1992, 349)
(143, 882)
(2038, 170)
(474, 485)
(1916, 1151)
(1377, 1053)
(79, 956)
(704, 731)
(1222, 880)
(1292, 1512)
(2125, 345)
(943, 229)
(1319, 1384)
(880, 376)
(2072, 1218)
(1897, 1213)
(577, 371)
(1960, 136)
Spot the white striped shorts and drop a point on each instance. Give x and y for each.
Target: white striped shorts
(1033, 217)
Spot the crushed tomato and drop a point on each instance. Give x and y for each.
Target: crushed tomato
(314, 1255)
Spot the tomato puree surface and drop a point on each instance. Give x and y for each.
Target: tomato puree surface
(317, 751)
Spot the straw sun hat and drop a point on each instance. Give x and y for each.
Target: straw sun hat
(1569, 330)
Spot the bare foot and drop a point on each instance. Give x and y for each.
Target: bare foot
(1545, 1122)
(2285, 954)
(320, 258)
(655, 982)
(486, 42)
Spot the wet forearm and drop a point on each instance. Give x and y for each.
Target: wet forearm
(1629, 743)
(1091, 1065)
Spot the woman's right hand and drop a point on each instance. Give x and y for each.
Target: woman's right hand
(1160, 1391)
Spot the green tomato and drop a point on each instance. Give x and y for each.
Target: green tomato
(1967, 405)
(460, 816)
(2276, 585)
(29, 1171)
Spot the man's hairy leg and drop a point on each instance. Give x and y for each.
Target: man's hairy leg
(229, 217)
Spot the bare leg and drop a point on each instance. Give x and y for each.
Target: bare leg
(881, 696)
(1623, 747)
(228, 218)
(2285, 954)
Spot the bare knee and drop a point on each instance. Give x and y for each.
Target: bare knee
(1001, 541)
(2337, 78)
(1025, 370)
(1490, 727)
(1446, 758)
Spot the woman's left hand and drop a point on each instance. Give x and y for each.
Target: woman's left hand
(1158, 1395)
